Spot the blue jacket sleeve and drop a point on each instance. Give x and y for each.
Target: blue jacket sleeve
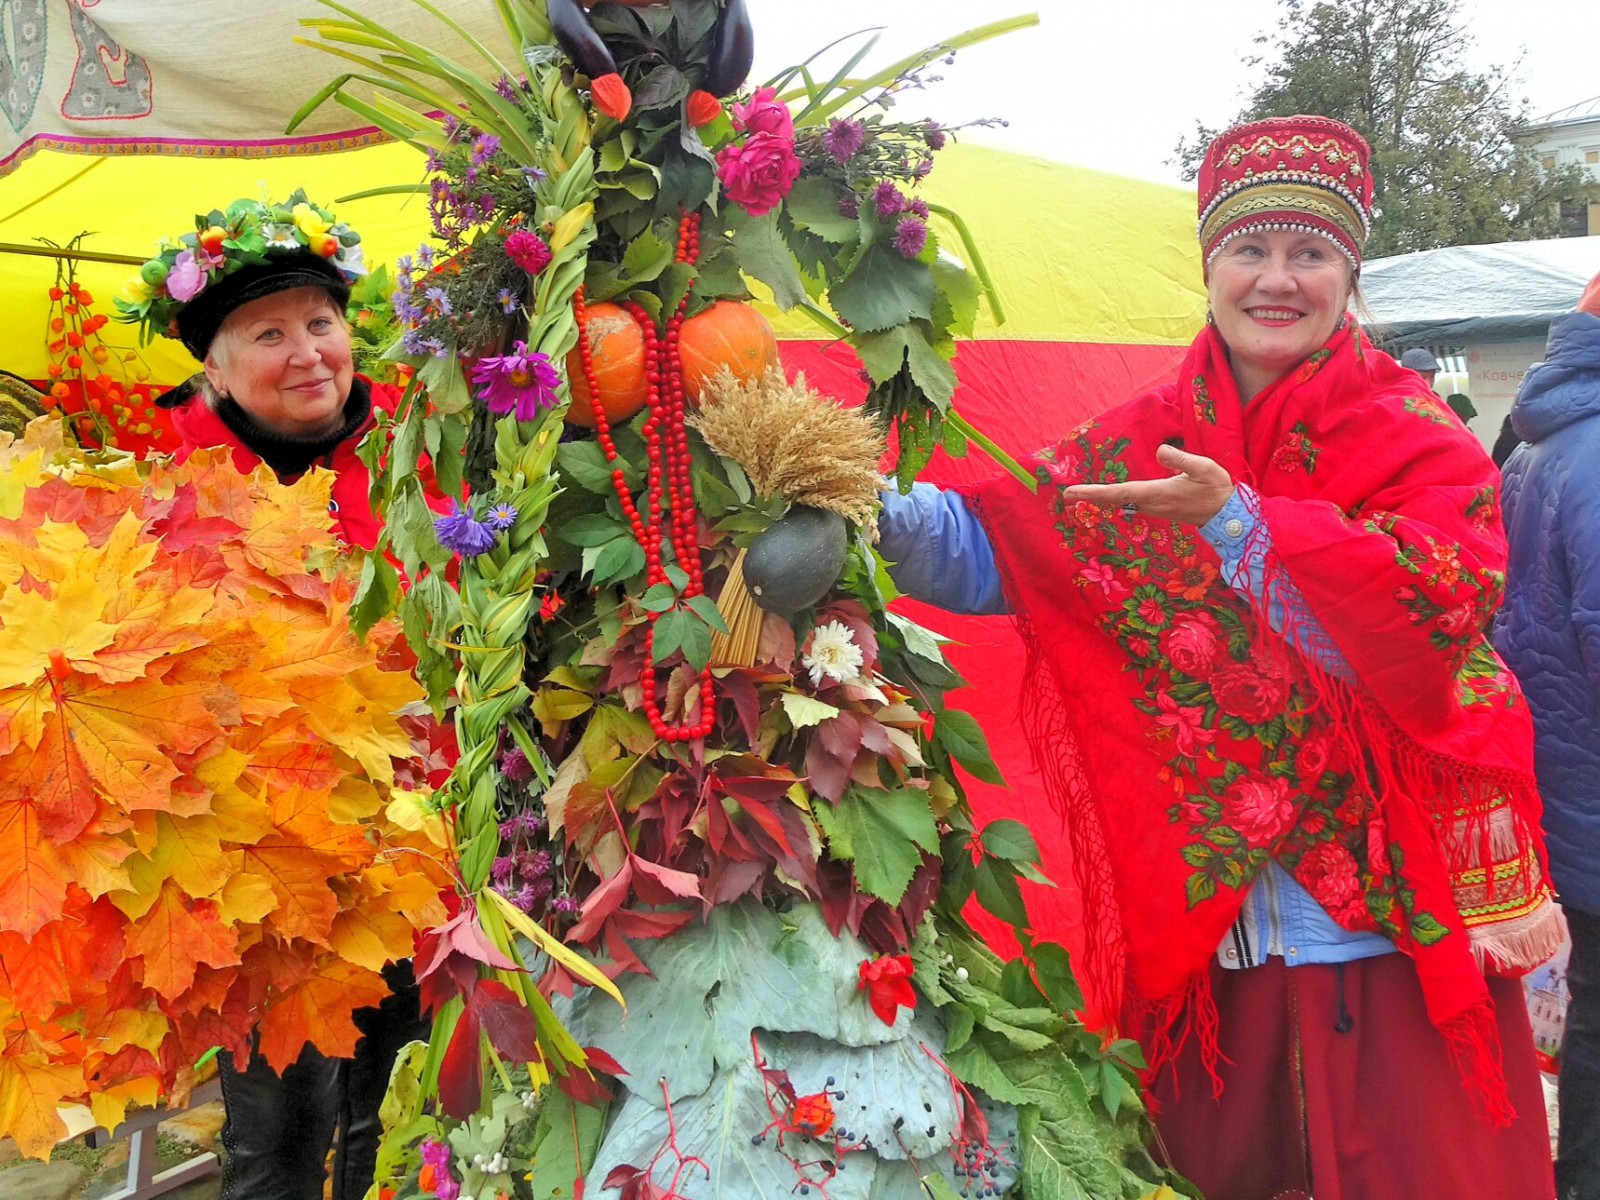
(1235, 534)
(938, 552)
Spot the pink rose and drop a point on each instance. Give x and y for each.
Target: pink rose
(1311, 759)
(1260, 809)
(1242, 691)
(1328, 872)
(1378, 848)
(758, 174)
(186, 279)
(1192, 643)
(764, 113)
(1456, 621)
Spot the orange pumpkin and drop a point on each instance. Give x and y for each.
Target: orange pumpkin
(728, 334)
(616, 345)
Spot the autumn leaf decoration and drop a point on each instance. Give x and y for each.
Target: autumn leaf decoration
(196, 758)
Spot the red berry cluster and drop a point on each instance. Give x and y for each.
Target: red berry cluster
(669, 486)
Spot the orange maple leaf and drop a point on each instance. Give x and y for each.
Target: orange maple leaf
(318, 1006)
(176, 934)
(195, 762)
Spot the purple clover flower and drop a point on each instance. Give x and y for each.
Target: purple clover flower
(850, 205)
(886, 198)
(514, 765)
(844, 139)
(462, 533)
(918, 208)
(522, 381)
(911, 236)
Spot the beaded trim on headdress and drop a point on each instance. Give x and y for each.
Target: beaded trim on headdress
(247, 233)
(1300, 174)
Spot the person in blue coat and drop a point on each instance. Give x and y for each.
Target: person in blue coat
(1548, 632)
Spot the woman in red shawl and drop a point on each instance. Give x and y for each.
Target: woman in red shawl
(1297, 780)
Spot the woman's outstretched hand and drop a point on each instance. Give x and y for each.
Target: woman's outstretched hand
(1193, 494)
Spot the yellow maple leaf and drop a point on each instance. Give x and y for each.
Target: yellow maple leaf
(31, 1089)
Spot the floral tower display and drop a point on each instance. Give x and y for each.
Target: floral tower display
(711, 846)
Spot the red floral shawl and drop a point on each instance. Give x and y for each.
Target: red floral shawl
(1188, 744)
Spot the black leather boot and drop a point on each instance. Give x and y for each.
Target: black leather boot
(384, 1030)
(277, 1129)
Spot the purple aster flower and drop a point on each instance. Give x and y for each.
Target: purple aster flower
(441, 302)
(424, 257)
(485, 147)
(434, 163)
(450, 125)
(523, 381)
(525, 897)
(501, 518)
(850, 205)
(534, 175)
(506, 88)
(844, 139)
(504, 868)
(462, 533)
(435, 347)
(887, 199)
(412, 341)
(910, 236)
(508, 301)
(514, 765)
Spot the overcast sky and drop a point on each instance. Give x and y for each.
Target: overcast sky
(1113, 84)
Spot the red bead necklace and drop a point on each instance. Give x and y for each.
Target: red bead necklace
(669, 487)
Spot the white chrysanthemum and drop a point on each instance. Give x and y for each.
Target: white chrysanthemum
(834, 653)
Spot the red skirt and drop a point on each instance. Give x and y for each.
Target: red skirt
(1376, 1112)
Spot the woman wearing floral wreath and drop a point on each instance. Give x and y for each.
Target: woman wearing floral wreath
(259, 297)
(1297, 781)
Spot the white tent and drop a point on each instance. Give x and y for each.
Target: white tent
(1462, 295)
(1483, 310)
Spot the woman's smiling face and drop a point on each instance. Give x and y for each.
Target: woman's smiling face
(1276, 296)
(285, 360)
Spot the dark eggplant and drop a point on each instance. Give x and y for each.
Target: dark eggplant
(733, 50)
(577, 37)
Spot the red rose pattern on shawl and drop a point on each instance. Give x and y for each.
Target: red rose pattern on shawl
(1247, 758)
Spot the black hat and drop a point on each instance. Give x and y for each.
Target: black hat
(199, 320)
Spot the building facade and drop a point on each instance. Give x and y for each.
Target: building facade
(1572, 135)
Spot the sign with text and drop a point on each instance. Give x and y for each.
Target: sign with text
(1494, 373)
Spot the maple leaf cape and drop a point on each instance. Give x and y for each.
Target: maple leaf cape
(1189, 744)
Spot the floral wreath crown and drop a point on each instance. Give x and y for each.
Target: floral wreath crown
(247, 233)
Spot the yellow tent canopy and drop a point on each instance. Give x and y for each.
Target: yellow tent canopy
(1078, 256)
